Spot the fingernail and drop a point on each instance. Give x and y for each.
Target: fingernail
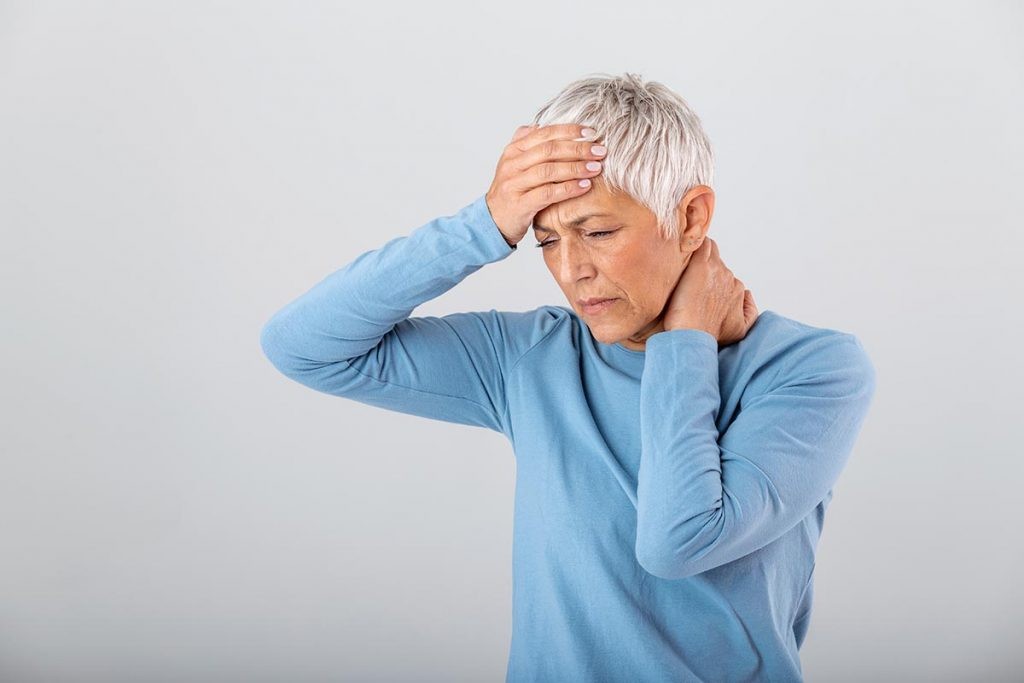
(587, 132)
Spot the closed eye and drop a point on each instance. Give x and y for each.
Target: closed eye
(599, 235)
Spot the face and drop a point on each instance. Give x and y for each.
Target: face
(619, 254)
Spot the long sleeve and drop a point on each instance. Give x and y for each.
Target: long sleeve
(351, 334)
(705, 499)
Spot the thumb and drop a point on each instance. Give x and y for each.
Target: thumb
(749, 308)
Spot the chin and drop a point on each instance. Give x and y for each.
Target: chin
(606, 334)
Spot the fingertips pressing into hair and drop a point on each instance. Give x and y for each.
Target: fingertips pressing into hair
(537, 135)
(557, 131)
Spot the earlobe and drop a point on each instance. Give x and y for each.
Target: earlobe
(690, 244)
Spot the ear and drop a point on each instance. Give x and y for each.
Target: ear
(694, 215)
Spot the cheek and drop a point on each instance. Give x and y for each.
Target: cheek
(638, 274)
(650, 292)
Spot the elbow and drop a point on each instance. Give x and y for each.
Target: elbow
(866, 376)
(663, 566)
(286, 353)
(666, 565)
(672, 560)
(275, 350)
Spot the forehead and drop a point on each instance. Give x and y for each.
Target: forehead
(568, 213)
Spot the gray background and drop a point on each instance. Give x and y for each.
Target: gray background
(171, 174)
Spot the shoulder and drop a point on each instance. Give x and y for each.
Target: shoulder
(784, 348)
(522, 331)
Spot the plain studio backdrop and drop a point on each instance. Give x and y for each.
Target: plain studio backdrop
(171, 174)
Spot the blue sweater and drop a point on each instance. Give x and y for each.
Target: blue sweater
(668, 502)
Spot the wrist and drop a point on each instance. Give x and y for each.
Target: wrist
(509, 242)
(680, 325)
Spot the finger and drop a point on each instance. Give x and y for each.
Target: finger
(734, 324)
(552, 172)
(739, 294)
(521, 131)
(550, 193)
(705, 250)
(750, 312)
(554, 151)
(556, 131)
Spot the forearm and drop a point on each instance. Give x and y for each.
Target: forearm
(679, 483)
(347, 313)
(706, 498)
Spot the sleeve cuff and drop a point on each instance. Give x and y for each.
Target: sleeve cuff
(682, 336)
(480, 216)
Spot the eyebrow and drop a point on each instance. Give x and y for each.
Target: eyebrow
(576, 222)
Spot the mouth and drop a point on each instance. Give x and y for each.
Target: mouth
(598, 306)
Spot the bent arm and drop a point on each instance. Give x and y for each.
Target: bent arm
(351, 335)
(703, 499)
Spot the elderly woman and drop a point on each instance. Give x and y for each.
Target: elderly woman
(675, 449)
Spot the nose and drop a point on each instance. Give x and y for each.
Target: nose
(573, 261)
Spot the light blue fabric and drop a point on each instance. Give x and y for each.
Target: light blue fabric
(668, 502)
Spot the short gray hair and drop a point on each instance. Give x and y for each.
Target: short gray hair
(657, 148)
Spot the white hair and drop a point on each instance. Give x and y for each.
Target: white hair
(657, 148)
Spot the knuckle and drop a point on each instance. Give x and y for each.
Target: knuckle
(549, 148)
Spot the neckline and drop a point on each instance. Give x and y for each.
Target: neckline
(630, 353)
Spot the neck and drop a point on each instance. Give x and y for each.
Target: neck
(638, 341)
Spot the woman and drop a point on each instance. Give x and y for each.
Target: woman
(675, 450)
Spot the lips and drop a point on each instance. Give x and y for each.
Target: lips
(599, 305)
